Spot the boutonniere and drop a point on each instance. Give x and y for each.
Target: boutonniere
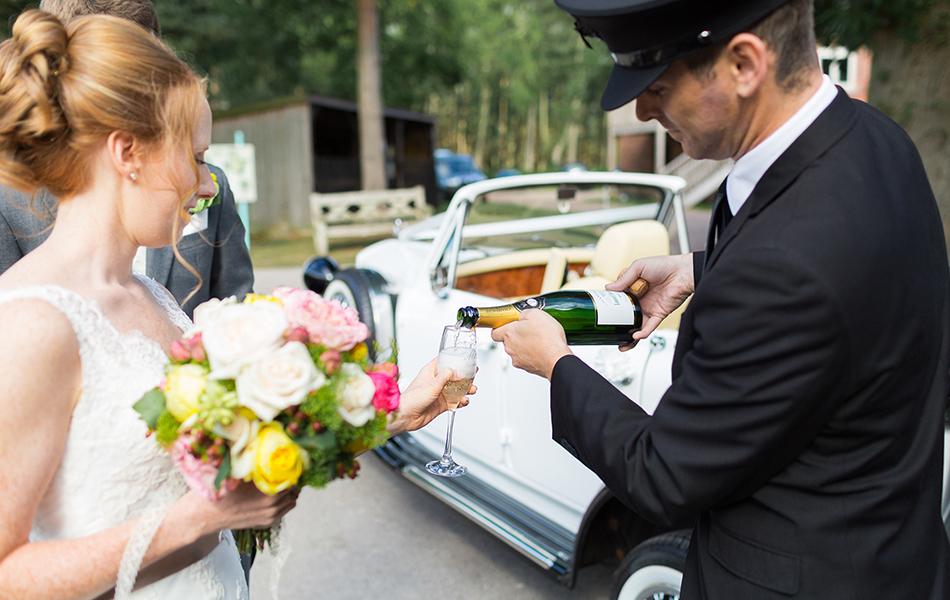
(206, 203)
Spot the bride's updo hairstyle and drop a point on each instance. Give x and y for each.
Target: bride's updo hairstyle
(63, 90)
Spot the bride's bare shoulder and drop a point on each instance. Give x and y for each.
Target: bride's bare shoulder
(31, 270)
(30, 325)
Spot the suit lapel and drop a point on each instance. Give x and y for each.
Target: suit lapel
(158, 263)
(828, 128)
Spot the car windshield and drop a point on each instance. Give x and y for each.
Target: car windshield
(517, 204)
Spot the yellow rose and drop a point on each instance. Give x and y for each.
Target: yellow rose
(183, 388)
(277, 461)
(359, 351)
(252, 298)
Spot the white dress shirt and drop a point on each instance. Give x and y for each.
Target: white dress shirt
(197, 224)
(751, 166)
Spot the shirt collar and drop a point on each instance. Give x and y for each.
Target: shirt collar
(751, 166)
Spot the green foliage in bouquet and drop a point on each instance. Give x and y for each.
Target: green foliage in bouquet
(167, 429)
(288, 408)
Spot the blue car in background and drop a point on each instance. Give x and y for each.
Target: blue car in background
(452, 171)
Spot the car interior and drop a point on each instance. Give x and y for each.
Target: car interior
(523, 273)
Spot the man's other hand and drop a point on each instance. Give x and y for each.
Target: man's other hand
(535, 342)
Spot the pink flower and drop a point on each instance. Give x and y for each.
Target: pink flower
(179, 351)
(386, 397)
(331, 360)
(298, 334)
(385, 367)
(197, 348)
(190, 349)
(326, 322)
(199, 474)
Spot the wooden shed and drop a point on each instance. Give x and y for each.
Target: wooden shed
(311, 144)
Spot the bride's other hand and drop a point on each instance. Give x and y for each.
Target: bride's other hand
(423, 401)
(244, 507)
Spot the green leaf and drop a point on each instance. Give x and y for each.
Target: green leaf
(206, 203)
(323, 441)
(166, 432)
(224, 471)
(151, 407)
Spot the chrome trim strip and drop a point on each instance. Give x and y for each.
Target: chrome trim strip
(437, 488)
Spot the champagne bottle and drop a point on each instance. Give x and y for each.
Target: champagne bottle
(588, 317)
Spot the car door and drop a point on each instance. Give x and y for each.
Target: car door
(548, 475)
(424, 308)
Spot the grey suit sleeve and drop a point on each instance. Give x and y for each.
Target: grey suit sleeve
(9, 250)
(24, 225)
(217, 253)
(232, 273)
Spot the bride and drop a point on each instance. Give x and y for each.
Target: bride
(105, 117)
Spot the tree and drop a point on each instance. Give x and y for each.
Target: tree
(9, 11)
(372, 135)
(528, 83)
(910, 79)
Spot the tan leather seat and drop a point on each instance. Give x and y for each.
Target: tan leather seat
(555, 271)
(619, 246)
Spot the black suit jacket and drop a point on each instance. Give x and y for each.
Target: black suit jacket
(802, 432)
(218, 252)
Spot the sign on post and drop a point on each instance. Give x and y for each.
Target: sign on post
(238, 163)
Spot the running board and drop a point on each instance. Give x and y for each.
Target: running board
(542, 541)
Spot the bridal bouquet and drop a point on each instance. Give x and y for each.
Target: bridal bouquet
(277, 390)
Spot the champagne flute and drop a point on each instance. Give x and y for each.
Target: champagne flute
(457, 351)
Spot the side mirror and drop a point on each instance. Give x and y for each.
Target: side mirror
(439, 280)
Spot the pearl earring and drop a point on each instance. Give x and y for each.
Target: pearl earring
(132, 175)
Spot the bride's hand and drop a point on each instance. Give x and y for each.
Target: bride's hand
(423, 400)
(243, 507)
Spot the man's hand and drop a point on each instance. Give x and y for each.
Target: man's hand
(535, 342)
(671, 283)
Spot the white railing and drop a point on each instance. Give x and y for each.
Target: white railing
(703, 177)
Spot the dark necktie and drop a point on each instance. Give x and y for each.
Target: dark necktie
(720, 218)
(725, 215)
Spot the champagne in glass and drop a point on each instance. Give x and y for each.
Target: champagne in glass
(457, 351)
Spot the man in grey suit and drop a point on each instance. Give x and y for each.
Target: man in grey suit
(213, 243)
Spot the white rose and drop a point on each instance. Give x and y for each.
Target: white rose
(203, 312)
(277, 381)
(238, 334)
(240, 433)
(356, 395)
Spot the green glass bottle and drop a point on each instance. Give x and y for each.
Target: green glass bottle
(588, 317)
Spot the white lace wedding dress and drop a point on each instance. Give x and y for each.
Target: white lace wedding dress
(111, 472)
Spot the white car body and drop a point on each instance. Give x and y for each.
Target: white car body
(522, 486)
(503, 436)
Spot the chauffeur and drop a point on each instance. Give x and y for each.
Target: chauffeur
(802, 434)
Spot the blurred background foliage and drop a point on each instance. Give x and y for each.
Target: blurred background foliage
(510, 81)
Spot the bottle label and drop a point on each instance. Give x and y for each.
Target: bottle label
(612, 308)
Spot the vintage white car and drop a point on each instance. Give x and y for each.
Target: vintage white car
(505, 239)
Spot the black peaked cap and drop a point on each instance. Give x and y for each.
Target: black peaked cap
(648, 35)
